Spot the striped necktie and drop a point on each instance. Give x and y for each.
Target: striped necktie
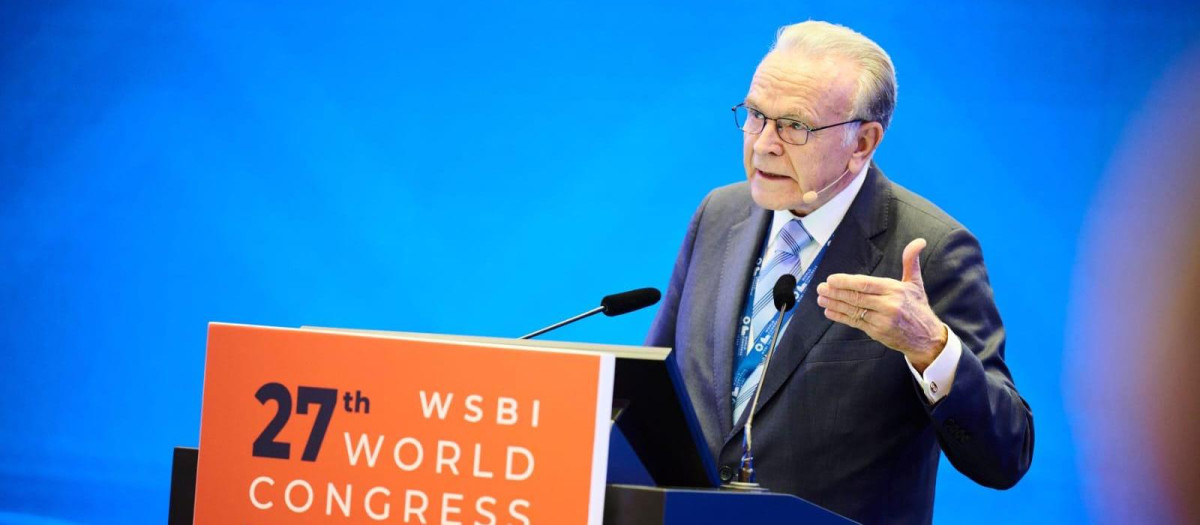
(784, 259)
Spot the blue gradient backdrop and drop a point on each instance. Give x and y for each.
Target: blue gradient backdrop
(477, 168)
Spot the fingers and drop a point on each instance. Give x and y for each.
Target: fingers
(861, 283)
(850, 314)
(853, 321)
(912, 262)
(855, 298)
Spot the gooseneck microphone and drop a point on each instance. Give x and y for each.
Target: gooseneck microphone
(625, 302)
(785, 299)
(610, 305)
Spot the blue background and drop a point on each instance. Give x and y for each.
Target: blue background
(479, 168)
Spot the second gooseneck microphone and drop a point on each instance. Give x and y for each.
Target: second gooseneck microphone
(610, 305)
(785, 299)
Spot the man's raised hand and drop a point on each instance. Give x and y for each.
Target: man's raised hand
(895, 313)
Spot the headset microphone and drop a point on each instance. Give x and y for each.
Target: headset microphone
(811, 196)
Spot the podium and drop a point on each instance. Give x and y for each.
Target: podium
(318, 425)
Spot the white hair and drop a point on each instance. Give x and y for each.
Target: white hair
(875, 94)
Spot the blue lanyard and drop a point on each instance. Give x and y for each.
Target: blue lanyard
(748, 361)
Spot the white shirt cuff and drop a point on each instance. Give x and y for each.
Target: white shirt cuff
(939, 375)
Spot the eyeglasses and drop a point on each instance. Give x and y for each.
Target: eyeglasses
(752, 121)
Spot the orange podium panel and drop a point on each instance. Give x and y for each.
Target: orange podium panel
(322, 426)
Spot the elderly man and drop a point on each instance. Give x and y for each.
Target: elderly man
(895, 349)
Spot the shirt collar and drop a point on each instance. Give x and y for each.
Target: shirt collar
(822, 222)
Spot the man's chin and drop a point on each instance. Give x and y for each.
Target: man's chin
(775, 200)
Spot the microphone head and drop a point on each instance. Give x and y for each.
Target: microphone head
(785, 292)
(625, 302)
(810, 197)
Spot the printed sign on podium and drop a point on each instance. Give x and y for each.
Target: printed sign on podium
(308, 426)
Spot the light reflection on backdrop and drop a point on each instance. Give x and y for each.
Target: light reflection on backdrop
(1134, 342)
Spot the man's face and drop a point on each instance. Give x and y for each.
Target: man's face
(816, 91)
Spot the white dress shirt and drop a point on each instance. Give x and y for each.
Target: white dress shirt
(820, 224)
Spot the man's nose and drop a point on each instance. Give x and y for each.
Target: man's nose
(768, 142)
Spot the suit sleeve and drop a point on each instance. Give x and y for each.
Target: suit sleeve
(662, 330)
(983, 425)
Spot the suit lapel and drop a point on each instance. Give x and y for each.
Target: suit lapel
(851, 251)
(741, 251)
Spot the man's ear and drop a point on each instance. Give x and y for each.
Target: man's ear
(866, 141)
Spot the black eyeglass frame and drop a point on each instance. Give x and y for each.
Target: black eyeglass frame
(808, 130)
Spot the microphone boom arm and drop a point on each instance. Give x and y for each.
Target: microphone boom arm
(586, 314)
(748, 477)
(785, 299)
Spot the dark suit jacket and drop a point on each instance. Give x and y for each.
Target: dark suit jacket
(841, 421)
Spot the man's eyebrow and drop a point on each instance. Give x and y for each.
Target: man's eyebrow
(792, 113)
(797, 114)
